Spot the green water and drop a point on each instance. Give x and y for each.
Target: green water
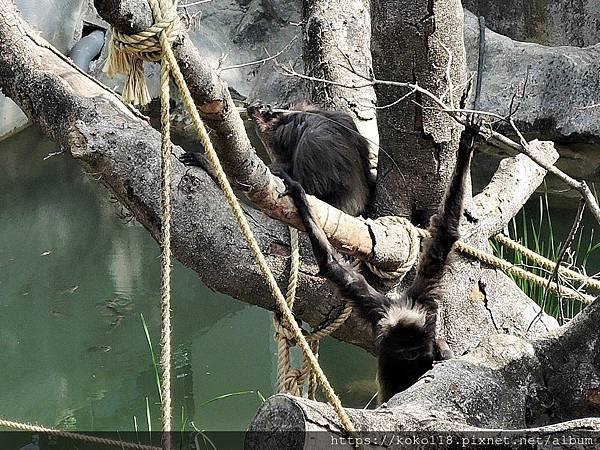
(74, 279)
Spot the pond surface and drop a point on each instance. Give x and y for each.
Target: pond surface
(75, 278)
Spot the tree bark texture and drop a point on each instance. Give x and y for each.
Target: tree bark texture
(337, 46)
(417, 42)
(243, 167)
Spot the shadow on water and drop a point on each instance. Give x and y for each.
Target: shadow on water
(74, 279)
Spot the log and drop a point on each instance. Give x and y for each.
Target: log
(508, 388)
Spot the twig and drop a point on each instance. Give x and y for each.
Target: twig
(594, 106)
(520, 96)
(260, 61)
(334, 35)
(449, 89)
(51, 154)
(187, 5)
(554, 277)
(480, 60)
(563, 251)
(395, 102)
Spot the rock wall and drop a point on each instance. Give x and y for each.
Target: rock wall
(548, 22)
(557, 84)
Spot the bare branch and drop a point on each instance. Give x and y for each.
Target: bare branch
(594, 106)
(561, 256)
(187, 5)
(260, 61)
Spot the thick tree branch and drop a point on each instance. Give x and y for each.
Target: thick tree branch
(509, 189)
(493, 137)
(337, 36)
(117, 146)
(242, 165)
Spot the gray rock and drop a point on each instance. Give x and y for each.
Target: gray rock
(60, 23)
(548, 22)
(561, 81)
(235, 32)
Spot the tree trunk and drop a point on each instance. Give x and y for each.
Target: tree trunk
(417, 42)
(337, 41)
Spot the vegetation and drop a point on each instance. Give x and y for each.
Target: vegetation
(537, 231)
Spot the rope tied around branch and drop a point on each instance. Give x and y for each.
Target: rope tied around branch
(416, 234)
(127, 52)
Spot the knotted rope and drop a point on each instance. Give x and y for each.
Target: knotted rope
(416, 234)
(165, 289)
(286, 378)
(289, 378)
(127, 52)
(163, 11)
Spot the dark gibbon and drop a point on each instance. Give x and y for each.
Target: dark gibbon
(322, 150)
(404, 328)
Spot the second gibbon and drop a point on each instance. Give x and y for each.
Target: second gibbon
(322, 150)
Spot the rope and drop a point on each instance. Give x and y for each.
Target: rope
(314, 338)
(165, 288)
(544, 262)
(168, 56)
(413, 248)
(325, 331)
(519, 272)
(74, 436)
(416, 233)
(289, 378)
(127, 53)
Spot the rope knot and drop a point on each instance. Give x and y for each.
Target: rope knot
(283, 331)
(414, 234)
(127, 52)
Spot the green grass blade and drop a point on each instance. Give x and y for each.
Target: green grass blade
(154, 364)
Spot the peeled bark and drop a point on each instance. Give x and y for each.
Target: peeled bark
(417, 42)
